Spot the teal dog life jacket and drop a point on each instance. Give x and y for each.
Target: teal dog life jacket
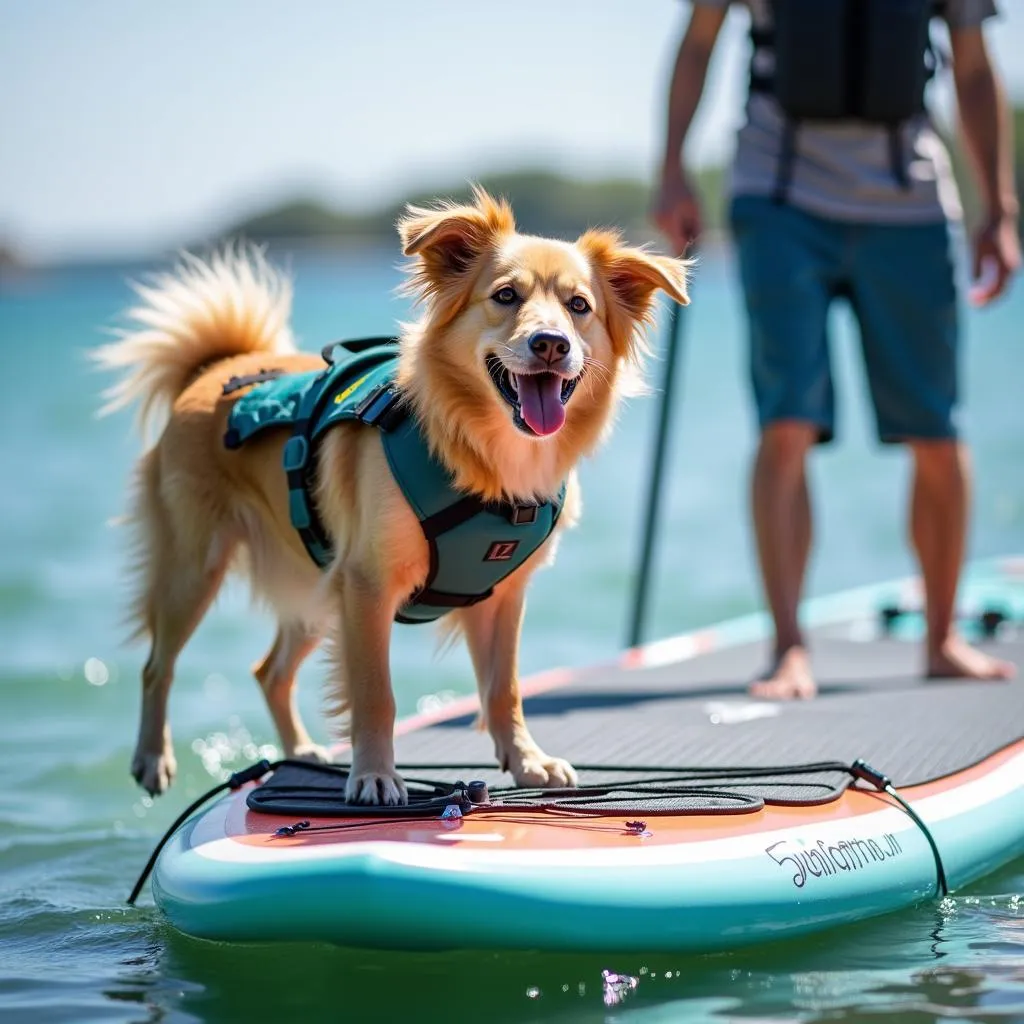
(474, 544)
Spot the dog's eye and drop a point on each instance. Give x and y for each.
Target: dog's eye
(505, 296)
(579, 305)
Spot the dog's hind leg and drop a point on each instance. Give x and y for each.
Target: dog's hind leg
(182, 567)
(276, 675)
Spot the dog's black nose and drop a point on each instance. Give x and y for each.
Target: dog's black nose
(549, 345)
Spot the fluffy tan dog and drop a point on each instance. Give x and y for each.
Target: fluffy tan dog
(509, 323)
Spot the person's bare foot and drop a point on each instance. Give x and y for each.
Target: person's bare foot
(957, 659)
(789, 678)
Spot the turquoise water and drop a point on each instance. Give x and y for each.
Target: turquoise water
(74, 829)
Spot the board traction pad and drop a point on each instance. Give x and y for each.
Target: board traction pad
(873, 704)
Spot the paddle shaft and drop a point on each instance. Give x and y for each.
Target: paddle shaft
(640, 592)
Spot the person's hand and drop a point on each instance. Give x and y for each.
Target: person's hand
(997, 258)
(677, 210)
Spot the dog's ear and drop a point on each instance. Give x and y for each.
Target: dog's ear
(635, 275)
(448, 241)
(632, 278)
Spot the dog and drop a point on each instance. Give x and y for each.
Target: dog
(511, 373)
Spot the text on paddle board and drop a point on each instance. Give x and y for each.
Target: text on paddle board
(826, 859)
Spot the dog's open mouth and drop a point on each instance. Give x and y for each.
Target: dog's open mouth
(537, 399)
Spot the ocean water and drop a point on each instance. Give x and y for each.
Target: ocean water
(75, 831)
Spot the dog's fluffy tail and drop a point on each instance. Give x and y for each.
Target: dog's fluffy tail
(201, 312)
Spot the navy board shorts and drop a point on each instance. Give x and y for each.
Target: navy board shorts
(900, 281)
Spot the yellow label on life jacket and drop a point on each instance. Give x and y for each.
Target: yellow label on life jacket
(342, 395)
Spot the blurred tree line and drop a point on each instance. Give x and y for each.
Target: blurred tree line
(545, 202)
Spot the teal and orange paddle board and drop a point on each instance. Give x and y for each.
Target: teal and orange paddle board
(708, 819)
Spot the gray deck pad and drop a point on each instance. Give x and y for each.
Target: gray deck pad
(873, 704)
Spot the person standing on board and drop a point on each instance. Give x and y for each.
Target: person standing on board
(841, 187)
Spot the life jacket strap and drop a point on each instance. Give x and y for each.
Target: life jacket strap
(236, 383)
(787, 154)
(381, 408)
(896, 160)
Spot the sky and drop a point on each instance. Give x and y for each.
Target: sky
(130, 125)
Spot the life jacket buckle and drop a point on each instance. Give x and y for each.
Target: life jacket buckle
(522, 515)
(296, 453)
(380, 408)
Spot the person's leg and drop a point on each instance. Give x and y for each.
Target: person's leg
(905, 299)
(787, 261)
(940, 498)
(782, 526)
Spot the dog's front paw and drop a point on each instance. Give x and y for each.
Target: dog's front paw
(311, 752)
(154, 772)
(385, 788)
(536, 769)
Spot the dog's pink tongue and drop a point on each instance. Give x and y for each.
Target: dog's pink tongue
(540, 401)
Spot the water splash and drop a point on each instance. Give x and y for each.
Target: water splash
(222, 753)
(96, 672)
(617, 987)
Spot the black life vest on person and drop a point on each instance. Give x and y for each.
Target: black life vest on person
(846, 60)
